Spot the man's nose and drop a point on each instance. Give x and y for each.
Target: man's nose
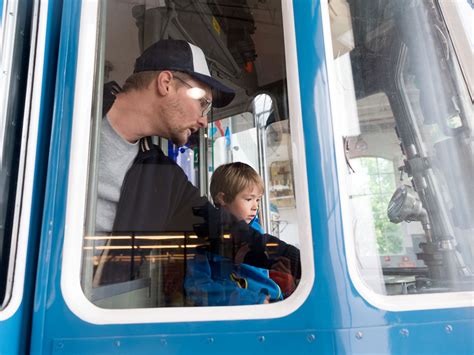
(202, 121)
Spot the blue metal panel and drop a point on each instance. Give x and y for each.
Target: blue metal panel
(303, 342)
(429, 338)
(338, 304)
(55, 21)
(342, 306)
(13, 327)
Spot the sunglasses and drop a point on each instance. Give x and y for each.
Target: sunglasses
(194, 93)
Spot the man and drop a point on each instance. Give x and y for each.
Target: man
(169, 95)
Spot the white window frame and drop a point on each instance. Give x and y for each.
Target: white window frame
(77, 192)
(456, 15)
(389, 303)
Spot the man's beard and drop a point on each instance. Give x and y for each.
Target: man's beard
(177, 135)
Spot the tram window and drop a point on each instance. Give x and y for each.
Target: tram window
(186, 263)
(407, 135)
(13, 65)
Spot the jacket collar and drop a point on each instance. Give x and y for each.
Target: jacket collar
(146, 144)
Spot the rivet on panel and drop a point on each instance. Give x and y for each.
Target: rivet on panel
(404, 332)
(117, 343)
(448, 328)
(163, 342)
(359, 335)
(311, 338)
(261, 339)
(210, 340)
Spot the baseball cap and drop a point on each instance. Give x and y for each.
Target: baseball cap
(179, 55)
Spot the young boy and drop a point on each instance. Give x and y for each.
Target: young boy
(213, 279)
(238, 188)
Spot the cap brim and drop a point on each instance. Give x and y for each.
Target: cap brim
(221, 94)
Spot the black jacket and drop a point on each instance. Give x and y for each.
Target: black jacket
(156, 195)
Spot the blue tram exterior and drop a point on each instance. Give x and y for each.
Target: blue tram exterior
(336, 308)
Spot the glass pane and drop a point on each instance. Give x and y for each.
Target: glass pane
(153, 240)
(370, 166)
(385, 166)
(233, 139)
(386, 184)
(408, 143)
(283, 213)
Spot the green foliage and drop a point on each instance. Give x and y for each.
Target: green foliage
(381, 185)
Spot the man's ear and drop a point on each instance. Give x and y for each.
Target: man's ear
(219, 199)
(163, 82)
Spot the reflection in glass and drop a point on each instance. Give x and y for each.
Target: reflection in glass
(415, 119)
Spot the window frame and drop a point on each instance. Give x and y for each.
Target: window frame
(451, 13)
(389, 303)
(9, 28)
(77, 194)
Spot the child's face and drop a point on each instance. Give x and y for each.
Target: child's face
(245, 204)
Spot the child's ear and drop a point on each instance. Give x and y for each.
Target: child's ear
(220, 199)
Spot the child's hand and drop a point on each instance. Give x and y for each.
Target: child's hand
(280, 272)
(267, 300)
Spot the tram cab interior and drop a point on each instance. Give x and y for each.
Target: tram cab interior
(411, 223)
(245, 50)
(407, 129)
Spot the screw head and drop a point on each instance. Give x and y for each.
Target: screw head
(359, 335)
(448, 328)
(404, 332)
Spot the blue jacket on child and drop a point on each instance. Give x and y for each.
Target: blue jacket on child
(214, 280)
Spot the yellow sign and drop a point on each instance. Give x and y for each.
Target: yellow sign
(216, 25)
